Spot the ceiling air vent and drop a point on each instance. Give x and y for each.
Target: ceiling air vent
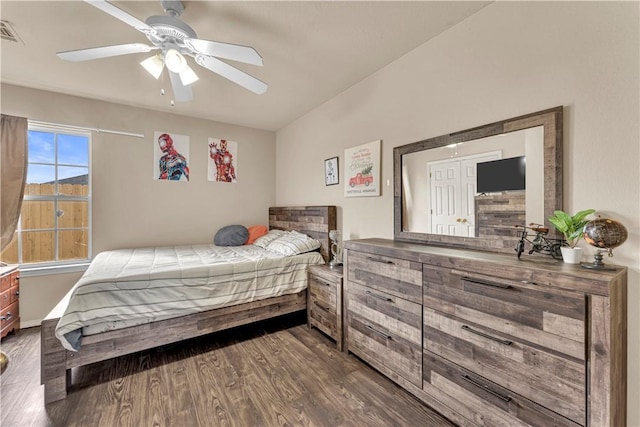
(7, 32)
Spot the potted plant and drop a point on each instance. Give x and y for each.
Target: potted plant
(572, 227)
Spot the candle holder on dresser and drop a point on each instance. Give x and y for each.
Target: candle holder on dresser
(336, 250)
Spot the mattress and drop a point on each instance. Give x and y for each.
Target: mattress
(128, 287)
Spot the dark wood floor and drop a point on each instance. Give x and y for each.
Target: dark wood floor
(275, 373)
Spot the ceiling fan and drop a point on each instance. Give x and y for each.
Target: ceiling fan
(175, 40)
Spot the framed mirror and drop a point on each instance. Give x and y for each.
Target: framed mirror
(471, 188)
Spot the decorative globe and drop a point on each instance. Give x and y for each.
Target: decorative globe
(605, 233)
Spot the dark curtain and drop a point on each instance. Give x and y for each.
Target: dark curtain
(13, 173)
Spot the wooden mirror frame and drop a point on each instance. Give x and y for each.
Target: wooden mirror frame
(551, 119)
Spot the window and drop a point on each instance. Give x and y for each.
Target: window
(55, 220)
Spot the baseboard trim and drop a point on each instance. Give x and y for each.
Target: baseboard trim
(30, 324)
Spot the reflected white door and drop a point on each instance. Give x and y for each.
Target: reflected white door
(453, 190)
(445, 198)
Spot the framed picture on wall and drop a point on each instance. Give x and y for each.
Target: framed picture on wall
(222, 165)
(362, 170)
(331, 171)
(170, 156)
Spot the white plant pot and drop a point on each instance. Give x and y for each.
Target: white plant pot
(571, 255)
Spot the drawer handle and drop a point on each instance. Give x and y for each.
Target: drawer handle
(486, 388)
(482, 334)
(381, 261)
(17, 293)
(321, 306)
(8, 317)
(382, 334)
(380, 297)
(484, 282)
(527, 282)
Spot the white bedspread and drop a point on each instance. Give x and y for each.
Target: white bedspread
(128, 287)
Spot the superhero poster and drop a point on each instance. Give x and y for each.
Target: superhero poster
(222, 165)
(170, 156)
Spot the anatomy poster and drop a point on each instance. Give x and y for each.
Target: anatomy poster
(222, 165)
(170, 156)
(362, 170)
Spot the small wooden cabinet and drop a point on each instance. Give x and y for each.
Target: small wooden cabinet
(9, 303)
(487, 339)
(324, 304)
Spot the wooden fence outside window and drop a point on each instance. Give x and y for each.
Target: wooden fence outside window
(37, 226)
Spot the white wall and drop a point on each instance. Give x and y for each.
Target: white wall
(129, 207)
(509, 59)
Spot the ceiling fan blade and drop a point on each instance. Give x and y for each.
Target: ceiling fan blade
(121, 15)
(234, 52)
(181, 92)
(104, 52)
(239, 77)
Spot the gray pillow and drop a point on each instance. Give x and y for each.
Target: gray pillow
(231, 235)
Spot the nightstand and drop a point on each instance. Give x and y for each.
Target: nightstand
(324, 301)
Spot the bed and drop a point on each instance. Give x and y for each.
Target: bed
(57, 361)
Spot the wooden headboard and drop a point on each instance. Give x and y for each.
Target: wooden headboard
(315, 221)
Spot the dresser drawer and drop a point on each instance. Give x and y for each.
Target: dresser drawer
(14, 293)
(7, 281)
(481, 401)
(546, 377)
(548, 317)
(387, 330)
(322, 310)
(9, 315)
(395, 276)
(5, 298)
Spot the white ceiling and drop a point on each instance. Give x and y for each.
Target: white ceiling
(312, 51)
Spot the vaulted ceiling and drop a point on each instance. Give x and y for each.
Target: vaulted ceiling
(312, 51)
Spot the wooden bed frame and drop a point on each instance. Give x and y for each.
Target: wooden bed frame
(57, 362)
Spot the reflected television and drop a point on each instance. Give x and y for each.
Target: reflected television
(501, 175)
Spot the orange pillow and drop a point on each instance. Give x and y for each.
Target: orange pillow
(256, 231)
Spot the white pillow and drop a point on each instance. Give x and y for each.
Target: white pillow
(272, 235)
(293, 243)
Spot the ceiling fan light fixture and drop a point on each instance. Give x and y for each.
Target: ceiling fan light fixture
(174, 40)
(153, 65)
(188, 76)
(175, 61)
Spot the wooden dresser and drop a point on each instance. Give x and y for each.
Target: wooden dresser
(9, 295)
(487, 339)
